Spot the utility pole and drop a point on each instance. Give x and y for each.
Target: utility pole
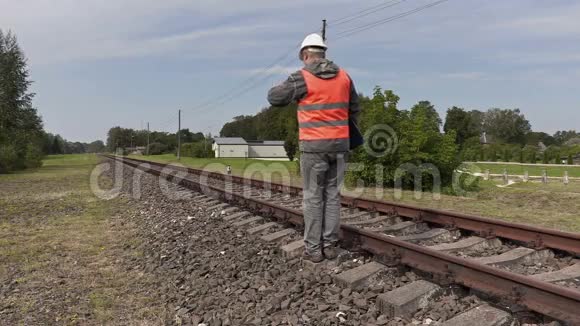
(324, 30)
(179, 135)
(147, 139)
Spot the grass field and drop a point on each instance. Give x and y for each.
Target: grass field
(552, 205)
(58, 252)
(280, 171)
(533, 170)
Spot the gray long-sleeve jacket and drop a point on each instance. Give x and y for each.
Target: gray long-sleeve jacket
(294, 89)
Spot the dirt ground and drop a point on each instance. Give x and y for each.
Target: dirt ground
(63, 252)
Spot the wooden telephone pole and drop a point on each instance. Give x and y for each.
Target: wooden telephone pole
(179, 135)
(324, 30)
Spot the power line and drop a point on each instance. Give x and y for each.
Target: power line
(225, 97)
(365, 12)
(365, 27)
(355, 30)
(247, 88)
(266, 73)
(255, 80)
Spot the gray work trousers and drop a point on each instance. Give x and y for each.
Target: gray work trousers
(323, 174)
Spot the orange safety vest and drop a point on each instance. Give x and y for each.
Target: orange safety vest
(323, 112)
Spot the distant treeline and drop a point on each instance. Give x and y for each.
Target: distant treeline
(192, 144)
(55, 144)
(506, 135)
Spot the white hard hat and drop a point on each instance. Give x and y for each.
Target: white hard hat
(313, 40)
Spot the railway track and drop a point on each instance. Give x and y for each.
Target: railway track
(529, 266)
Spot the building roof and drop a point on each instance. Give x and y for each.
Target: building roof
(266, 142)
(242, 141)
(230, 141)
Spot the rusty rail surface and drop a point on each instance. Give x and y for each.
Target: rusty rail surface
(545, 298)
(532, 236)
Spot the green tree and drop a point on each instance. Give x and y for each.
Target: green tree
(534, 138)
(20, 125)
(509, 126)
(562, 136)
(56, 146)
(96, 147)
(570, 159)
(243, 126)
(466, 124)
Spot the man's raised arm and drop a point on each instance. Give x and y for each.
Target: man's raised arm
(291, 90)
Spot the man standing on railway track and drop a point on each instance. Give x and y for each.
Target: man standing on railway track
(327, 105)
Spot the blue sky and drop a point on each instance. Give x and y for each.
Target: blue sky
(98, 64)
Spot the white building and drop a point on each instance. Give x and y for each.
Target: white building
(240, 148)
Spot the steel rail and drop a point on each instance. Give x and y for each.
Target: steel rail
(532, 236)
(545, 298)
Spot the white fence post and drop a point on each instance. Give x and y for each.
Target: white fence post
(544, 176)
(505, 177)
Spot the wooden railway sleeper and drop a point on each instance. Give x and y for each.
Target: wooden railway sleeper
(537, 244)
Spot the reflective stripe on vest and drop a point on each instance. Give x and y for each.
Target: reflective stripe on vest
(323, 112)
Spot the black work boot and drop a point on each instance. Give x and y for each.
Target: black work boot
(315, 257)
(330, 252)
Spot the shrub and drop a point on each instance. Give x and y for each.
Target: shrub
(403, 145)
(157, 148)
(507, 155)
(33, 156)
(8, 158)
(197, 149)
(291, 147)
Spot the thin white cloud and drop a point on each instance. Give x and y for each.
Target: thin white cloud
(274, 70)
(540, 57)
(357, 71)
(465, 75)
(559, 21)
(61, 31)
(200, 40)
